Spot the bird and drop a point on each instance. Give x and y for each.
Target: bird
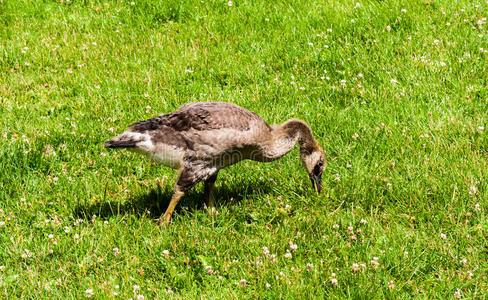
(201, 138)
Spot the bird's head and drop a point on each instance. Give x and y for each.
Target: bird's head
(314, 162)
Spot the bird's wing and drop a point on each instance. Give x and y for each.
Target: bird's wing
(202, 116)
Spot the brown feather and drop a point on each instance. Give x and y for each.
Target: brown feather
(201, 138)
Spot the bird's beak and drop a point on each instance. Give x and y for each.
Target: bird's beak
(316, 180)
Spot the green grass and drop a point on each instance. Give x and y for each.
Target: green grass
(398, 99)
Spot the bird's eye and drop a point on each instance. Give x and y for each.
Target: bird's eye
(320, 164)
(317, 170)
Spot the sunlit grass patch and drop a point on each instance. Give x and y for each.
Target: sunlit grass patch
(395, 92)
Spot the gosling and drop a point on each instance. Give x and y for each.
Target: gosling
(200, 138)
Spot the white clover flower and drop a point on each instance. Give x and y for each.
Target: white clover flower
(473, 190)
(26, 254)
(309, 267)
(375, 263)
(88, 293)
(273, 258)
(333, 281)
(391, 285)
(355, 267)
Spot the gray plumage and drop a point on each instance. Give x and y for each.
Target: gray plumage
(201, 138)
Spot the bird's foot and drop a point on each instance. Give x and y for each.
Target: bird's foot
(212, 211)
(163, 220)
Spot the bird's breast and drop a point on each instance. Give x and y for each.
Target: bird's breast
(167, 155)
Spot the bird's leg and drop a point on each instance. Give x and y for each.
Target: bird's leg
(169, 211)
(186, 180)
(209, 192)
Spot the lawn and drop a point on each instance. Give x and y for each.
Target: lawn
(395, 91)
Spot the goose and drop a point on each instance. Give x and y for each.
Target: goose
(200, 138)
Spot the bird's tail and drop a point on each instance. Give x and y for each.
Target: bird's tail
(127, 139)
(119, 144)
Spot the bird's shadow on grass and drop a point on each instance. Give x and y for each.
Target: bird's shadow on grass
(154, 202)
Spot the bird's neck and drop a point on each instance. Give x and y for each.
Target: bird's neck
(285, 136)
